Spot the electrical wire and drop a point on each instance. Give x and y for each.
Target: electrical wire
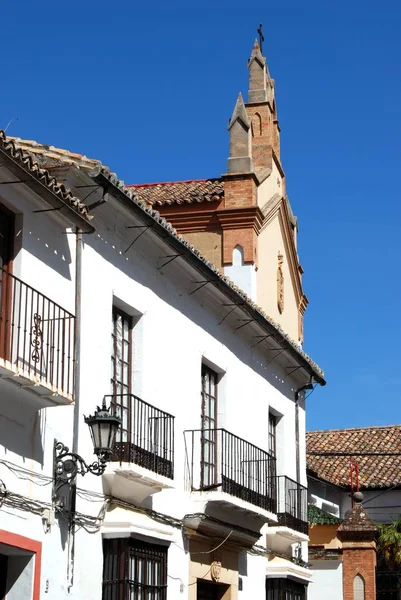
(217, 547)
(26, 474)
(91, 523)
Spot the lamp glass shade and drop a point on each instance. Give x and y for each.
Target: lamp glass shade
(103, 428)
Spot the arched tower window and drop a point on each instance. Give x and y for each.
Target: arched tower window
(359, 588)
(238, 256)
(256, 125)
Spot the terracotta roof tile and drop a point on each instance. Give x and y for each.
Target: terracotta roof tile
(49, 156)
(31, 162)
(179, 192)
(374, 471)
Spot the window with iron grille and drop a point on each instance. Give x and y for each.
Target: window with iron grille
(284, 589)
(272, 434)
(134, 569)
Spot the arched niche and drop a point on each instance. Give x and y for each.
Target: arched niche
(238, 256)
(359, 587)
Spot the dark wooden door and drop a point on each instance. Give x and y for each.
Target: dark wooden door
(3, 576)
(210, 591)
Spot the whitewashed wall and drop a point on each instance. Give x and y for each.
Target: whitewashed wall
(173, 335)
(327, 581)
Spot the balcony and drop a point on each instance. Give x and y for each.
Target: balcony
(144, 448)
(292, 513)
(292, 505)
(230, 472)
(36, 342)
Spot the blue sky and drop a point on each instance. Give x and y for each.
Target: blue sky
(148, 89)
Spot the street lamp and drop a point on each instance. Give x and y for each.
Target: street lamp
(103, 427)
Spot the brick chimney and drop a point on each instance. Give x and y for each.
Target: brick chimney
(358, 536)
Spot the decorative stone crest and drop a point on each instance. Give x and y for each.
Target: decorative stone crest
(215, 570)
(280, 284)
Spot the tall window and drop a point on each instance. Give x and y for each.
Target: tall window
(209, 398)
(121, 370)
(209, 426)
(134, 569)
(272, 434)
(284, 589)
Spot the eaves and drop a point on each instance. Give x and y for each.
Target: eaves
(127, 197)
(43, 184)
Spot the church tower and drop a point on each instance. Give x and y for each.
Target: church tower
(260, 252)
(261, 108)
(243, 220)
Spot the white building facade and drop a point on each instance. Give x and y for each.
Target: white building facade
(204, 496)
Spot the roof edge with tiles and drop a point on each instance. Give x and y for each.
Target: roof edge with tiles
(346, 429)
(96, 170)
(129, 192)
(189, 191)
(376, 448)
(25, 160)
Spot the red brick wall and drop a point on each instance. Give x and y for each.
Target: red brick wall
(359, 561)
(246, 237)
(239, 192)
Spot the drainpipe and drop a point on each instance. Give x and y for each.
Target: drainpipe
(78, 288)
(77, 388)
(307, 386)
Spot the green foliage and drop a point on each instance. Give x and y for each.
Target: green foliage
(389, 545)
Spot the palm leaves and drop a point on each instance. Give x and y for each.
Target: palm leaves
(389, 544)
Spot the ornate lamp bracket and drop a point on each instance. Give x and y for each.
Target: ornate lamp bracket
(67, 465)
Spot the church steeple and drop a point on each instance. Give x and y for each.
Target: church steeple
(257, 75)
(261, 109)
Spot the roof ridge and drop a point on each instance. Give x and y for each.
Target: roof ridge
(354, 429)
(34, 146)
(142, 185)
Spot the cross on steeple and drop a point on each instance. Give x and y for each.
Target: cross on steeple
(261, 37)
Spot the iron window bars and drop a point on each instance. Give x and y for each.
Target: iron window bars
(134, 569)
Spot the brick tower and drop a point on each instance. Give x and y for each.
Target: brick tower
(358, 534)
(243, 221)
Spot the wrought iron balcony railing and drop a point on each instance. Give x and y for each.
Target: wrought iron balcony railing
(220, 460)
(292, 504)
(36, 335)
(146, 436)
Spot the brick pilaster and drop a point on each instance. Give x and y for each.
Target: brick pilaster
(358, 536)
